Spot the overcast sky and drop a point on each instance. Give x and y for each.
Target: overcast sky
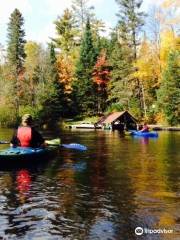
(40, 14)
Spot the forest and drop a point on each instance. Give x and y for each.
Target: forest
(83, 73)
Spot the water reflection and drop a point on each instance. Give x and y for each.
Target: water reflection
(23, 181)
(118, 184)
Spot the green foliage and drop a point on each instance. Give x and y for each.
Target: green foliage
(130, 22)
(53, 97)
(34, 111)
(119, 86)
(134, 107)
(84, 87)
(15, 50)
(74, 82)
(169, 92)
(115, 107)
(7, 116)
(16, 55)
(131, 19)
(32, 74)
(67, 32)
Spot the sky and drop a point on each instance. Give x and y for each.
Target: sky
(39, 15)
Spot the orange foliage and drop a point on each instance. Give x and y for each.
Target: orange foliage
(66, 72)
(101, 73)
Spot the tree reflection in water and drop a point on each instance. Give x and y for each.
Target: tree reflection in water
(118, 184)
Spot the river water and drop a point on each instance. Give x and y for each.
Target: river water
(118, 184)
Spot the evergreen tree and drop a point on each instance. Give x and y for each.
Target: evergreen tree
(84, 86)
(66, 32)
(130, 22)
(169, 92)
(119, 86)
(82, 12)
(15, 53)
(16, 42)
(53, 99)
(131, 19)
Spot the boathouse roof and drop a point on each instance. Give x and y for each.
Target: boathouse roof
(125, 116)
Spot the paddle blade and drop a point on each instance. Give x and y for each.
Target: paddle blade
(55, 142)
(75, 146)
(4, 142)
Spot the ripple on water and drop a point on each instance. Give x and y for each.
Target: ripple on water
(101, 194)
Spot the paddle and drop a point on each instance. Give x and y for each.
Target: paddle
(4, 142)
(57, 142)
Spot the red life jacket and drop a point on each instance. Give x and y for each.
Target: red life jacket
(24, 134)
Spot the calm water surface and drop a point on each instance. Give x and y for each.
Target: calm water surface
(119, 184)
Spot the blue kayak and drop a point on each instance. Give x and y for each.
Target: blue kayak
(18, 156)
(144, 134)
(22, 151)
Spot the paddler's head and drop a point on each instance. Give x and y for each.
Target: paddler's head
(27, 120)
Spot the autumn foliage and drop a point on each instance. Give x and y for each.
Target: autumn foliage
(84, 73)
(65, 71)
(101, 73)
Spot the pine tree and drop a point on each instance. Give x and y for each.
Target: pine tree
(84, 86)
(15, 53)
(169, 92)
(54, 99)
(82, 12)
(16, 42)
(130, 21)
(120, 90)
(66, 32)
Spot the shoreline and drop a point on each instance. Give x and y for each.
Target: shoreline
(163, 128)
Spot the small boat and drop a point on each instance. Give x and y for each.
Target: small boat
(18, 156)
(144, 134)
(83, 126)
(27, 156)
(24, 152)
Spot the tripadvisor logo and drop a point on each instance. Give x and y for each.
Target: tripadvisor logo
(139, 231)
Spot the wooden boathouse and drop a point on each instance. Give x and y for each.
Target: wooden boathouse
(118, 120)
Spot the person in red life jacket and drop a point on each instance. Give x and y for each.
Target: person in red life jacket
(26, 135)
(145, 128)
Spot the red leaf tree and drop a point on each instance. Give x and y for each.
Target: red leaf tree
(101, 76)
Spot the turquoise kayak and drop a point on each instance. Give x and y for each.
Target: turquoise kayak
(144, 134)
(18, 156)
(24, 152)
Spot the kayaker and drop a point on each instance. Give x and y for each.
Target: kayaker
(145, 128)
(26, 135)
